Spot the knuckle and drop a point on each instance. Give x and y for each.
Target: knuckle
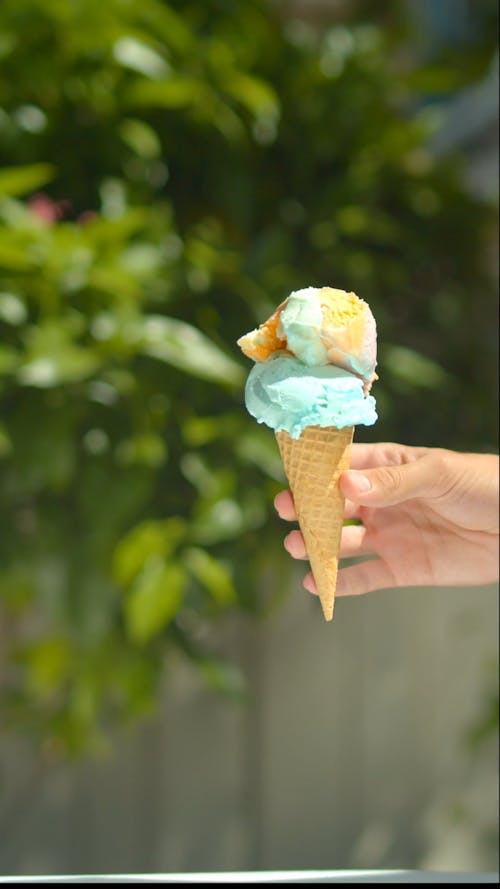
(389, 479)
(445, 471)
(441, 469)
(440, 461)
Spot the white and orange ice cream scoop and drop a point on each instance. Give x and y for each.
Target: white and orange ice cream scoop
(319, 326)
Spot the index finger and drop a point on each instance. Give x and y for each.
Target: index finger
(387, 453)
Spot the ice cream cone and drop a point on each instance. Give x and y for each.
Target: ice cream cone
(313, 464)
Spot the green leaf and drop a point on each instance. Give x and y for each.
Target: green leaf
(186, 348)
(212, 574)
(146, 449)
(13, 253)
(198, 471)
(170, 26)
(53, 359)
(5, 441)
(47, 662)
(434, 79)
(258, 446)
(413, 368)
(9, 360)
(146, 540)
(225, 518)
(12, 309)
(253, 93)
(133, 678)
(15, 181)
(154, 599)
(176, 92)
(138, 56)
(46, 372)
(141, 138)
(199, 431)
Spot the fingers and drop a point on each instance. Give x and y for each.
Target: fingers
(294, 544)
(356, 580)
(365, 577)
(309, 584)
(426, 477)
(351, 510)
(365, 456)
(353, 542)
(284, 505)
(387, 455)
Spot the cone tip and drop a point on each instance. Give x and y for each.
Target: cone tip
(327, 611)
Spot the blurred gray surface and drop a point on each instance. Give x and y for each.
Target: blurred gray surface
(351, 752)
(399, 876)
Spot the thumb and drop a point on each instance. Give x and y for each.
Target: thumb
(389, 485)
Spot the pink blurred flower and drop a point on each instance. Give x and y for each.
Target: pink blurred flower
(46, 209)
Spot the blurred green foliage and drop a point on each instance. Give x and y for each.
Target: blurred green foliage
(171, 170)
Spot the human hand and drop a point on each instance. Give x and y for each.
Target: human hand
(429, 515)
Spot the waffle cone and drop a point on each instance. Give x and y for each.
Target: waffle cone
(313, 464)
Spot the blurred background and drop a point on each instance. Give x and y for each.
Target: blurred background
(170, 697)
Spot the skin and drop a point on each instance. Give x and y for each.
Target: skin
(429, 516)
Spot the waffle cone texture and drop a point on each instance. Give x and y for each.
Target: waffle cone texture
(313, 464)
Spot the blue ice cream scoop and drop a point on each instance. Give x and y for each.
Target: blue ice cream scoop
(286, 394)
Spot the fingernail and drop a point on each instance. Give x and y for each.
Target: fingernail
(361, 482)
